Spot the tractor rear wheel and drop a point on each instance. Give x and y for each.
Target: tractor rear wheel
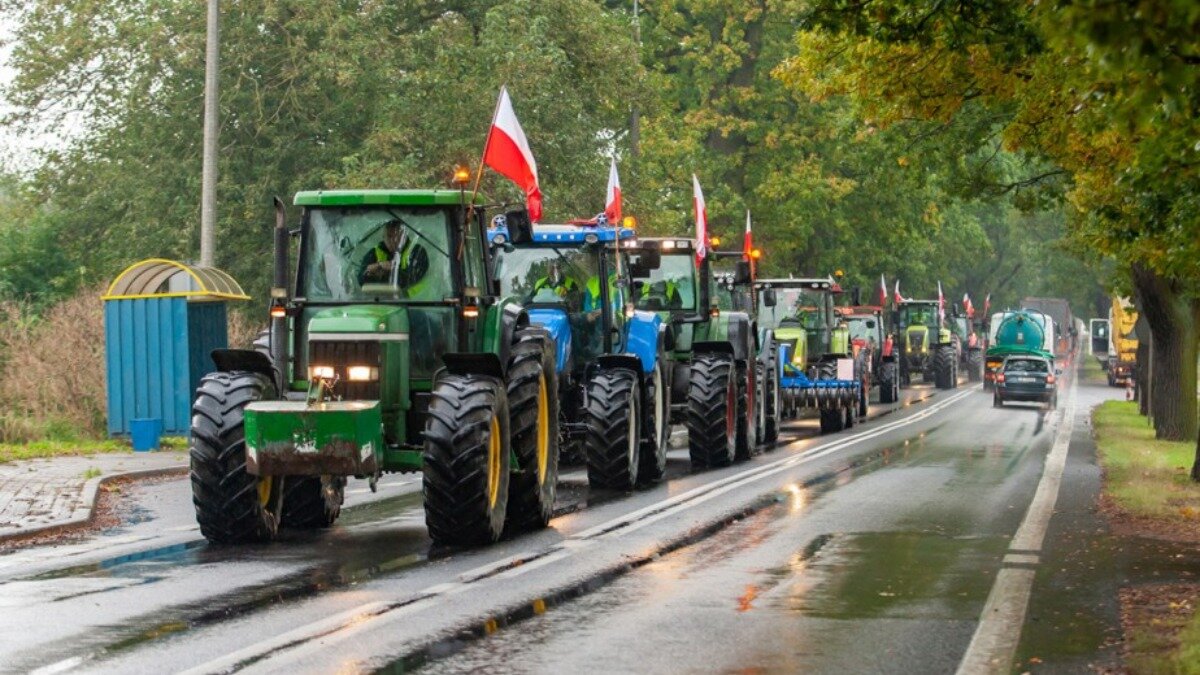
(466, 460)
(889, 384)
(657, 434)
(772, 404)
(533, 425)
(747, 413)
(943, 367)
(232, 506)
(712, 410)
(975, 365)
(613, 416)
(312, 502)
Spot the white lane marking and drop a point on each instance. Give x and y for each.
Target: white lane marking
(320, 634)
(996, 637)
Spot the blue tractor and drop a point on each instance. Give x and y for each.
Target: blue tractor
(614, 388)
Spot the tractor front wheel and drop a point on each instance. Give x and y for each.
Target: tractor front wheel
(466, 460)
(943, 367)
(975, 365)
(747, 413)
(533, 421)
(889, 382)
(232, 506)
(613, 435)
(657, 434)
(772, 404)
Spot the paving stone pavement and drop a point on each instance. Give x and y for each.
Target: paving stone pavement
(40, 494)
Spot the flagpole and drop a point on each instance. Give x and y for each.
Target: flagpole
(486, 144)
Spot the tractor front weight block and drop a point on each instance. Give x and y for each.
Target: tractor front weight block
(293, 438)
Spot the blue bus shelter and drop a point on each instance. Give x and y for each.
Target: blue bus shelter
(162, 319)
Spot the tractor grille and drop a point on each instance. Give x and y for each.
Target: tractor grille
(341, 355)
(916, 340)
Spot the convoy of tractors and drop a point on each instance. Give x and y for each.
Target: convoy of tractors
(420, 330)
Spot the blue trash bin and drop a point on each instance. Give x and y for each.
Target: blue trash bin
(145, 433)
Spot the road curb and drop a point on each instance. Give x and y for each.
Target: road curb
(91, 493)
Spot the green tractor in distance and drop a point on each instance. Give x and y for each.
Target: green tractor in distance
(394, 354)
(968, 346)
(714, 379)
(734, 291)
(926, 346)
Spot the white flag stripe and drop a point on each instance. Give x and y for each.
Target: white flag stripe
(506, 121)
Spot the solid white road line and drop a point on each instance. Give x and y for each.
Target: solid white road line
(320, 634)
(996, 637)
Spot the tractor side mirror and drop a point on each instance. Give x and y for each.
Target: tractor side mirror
(520, 228)
(769, 299)
(741, 274)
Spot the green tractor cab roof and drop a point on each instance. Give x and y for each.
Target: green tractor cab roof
(383, 198)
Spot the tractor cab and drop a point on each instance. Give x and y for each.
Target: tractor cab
(801, 312)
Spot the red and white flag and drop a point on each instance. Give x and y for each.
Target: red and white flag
(701, 220)
(987, 303)
(968, 307)
(883, 291)
(941, 305)
(612, 199)
(897, 298)
(507, 151)
(748, 242)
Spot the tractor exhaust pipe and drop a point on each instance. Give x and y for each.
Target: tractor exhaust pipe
(279, 293)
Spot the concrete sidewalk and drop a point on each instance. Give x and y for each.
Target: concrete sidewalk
(40, 495)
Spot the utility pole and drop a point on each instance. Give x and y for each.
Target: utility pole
(208, 189)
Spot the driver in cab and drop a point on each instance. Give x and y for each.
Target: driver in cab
(397, 253)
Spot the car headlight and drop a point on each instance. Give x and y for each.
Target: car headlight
(320, 372)
(362, 374)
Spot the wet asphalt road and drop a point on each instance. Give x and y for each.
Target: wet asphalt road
(870, 550)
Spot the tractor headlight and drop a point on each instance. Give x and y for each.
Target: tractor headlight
(362, 374)
(320, 372)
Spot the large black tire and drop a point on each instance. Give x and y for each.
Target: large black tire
(833, 420)
(466, 460)
(533, 425)
(712, 410)
(613, 415)
(312, 502)
(889, 382)
(974, 365)
(232, 506)
(771, 401)
(943, 367)
(748, 401)
(656, 429)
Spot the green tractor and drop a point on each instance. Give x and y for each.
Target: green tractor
(926, 346)
(734, 291)
(714, 377)
(394, 354)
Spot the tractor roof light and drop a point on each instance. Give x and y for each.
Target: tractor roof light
(462, 176)
(755, 253)
(714, 241)
(629, 222)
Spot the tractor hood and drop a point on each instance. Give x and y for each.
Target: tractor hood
(360, 320)
(556, 323)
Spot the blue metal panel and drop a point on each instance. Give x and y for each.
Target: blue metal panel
(112, 359)
(168, 350)
(555, 321)
(128, 385)
(181, 389)
(207, 331)
(643, 337)
(141, 360)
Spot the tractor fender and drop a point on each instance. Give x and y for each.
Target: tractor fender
(644, 336)
(713, 348)
(555, 322)
(482, 363)
(512, 317)
(247, 360)
(625, 361)
(741, 335)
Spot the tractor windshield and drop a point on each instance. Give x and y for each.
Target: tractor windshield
(865, 328)
(670, 287)
(794, 307)
(377, 253)
(918, 315)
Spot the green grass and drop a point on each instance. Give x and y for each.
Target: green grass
(1091, 372)
(1146, 476)
(11, 452)
(1149, 477)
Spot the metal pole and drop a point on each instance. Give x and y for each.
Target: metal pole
(635, 131)
(208, 189)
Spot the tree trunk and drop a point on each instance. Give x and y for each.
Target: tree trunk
(1196, 462)
(1172, 322)
(1141, 374)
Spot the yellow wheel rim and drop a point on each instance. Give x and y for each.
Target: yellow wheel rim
(543, 430)
(264, 491)
(494, 449)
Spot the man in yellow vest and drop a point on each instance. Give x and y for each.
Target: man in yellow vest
(397, 248)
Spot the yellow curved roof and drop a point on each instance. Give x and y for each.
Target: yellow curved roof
(152, 278)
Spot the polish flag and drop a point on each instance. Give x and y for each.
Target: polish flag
(701, 220)
(897, 298)
(987, 303)
(882, 291)
(941, 305)
(508, 153)
(612, 200)
(748, 242)
(968, 307)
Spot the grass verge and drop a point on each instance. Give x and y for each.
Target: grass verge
(12, 452)
(1091, 371)
(1147, 481)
